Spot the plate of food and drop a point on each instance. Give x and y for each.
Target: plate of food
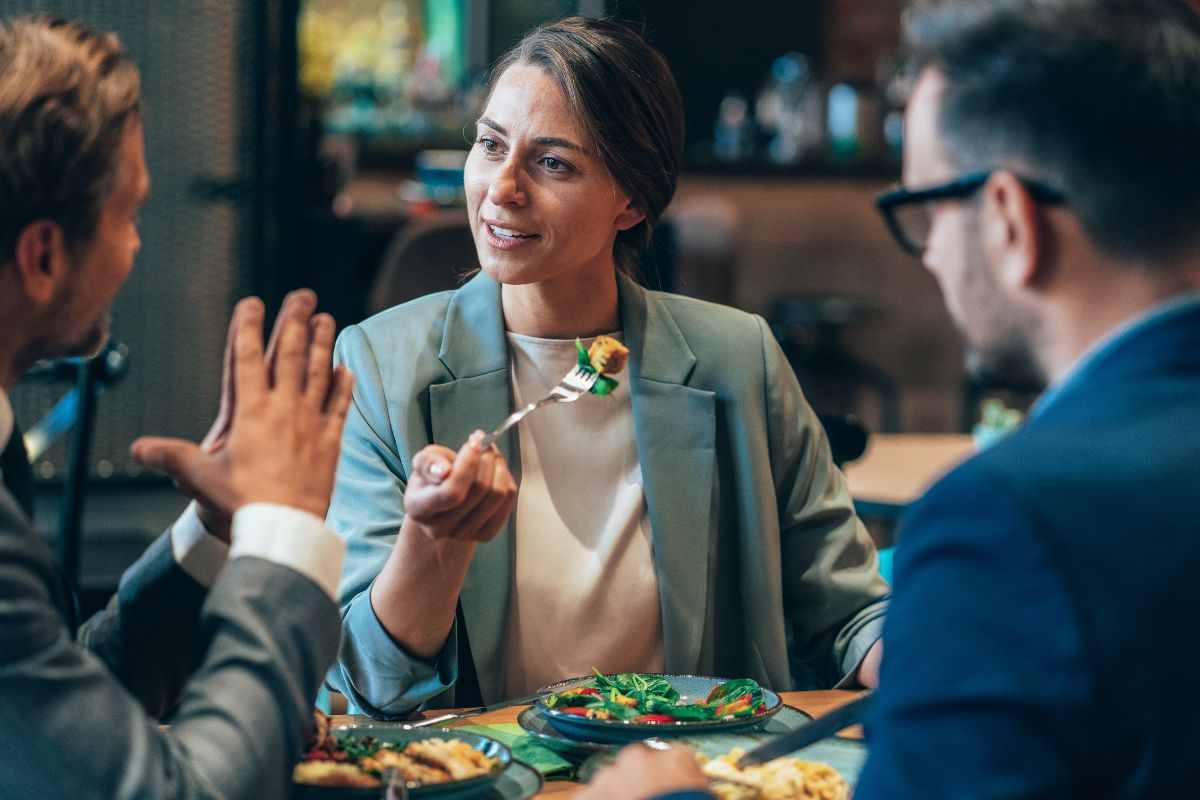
(629, 706)
(784, 778)
(826, 770)
(535, 723)
(356, 761)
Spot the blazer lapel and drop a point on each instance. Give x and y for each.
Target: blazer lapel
(675, 428)
(475, 352)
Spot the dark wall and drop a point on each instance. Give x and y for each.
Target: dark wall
(718, 46)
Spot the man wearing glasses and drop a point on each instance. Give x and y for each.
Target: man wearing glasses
(1042, 617)
(1042, 625)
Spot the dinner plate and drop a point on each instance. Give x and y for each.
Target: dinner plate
(534, 722)
(397, 734)
(847, 756)
(691, 688)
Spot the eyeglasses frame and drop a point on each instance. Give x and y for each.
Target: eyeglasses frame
(958, 188)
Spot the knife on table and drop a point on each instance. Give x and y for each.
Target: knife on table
(528, 699)
(820, 728)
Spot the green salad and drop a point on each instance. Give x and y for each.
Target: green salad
(632, 697)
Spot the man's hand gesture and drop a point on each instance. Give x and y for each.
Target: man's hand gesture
(278, 433)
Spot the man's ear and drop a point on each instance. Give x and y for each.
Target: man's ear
(1011, 228)
(40, 257)
(629, 217)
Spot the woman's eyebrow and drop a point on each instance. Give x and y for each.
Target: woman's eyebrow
(545, 141)
(556, 141)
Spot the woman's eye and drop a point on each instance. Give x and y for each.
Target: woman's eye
(553, 164)
(489, 144)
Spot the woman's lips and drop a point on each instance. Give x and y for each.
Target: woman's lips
(503, 238)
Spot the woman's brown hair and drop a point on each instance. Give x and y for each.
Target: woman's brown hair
(624, 95)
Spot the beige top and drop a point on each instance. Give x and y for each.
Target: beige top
(585, 593)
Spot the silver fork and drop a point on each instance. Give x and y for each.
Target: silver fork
(574, 385)
(397, 787)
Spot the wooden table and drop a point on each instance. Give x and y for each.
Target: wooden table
(897, 468)
(815, 703)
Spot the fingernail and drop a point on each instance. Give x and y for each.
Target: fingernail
(438, 470)
(476, 439)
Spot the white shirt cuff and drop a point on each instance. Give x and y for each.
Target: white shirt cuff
(291, 538)
(197, 552)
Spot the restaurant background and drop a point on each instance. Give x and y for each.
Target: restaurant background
(319, 143)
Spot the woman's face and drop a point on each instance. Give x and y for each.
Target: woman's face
(541, 203)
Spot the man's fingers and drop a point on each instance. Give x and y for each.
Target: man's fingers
(220, 425)
(299, 295)
(291, 355)
(341, 394)
(320, 357)
(178, 458)
(250, 379)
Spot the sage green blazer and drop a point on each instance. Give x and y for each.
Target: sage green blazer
(764, 570)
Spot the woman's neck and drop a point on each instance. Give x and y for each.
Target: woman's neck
(562, 308)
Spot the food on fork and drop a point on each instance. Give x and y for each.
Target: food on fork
(786, 778)
(607, 357)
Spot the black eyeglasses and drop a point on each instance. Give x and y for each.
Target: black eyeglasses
(907, 212)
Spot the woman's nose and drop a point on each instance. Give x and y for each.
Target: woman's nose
(505, 187)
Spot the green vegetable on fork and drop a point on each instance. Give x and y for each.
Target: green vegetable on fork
(607, 357)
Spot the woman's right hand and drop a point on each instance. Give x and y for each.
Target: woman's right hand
(453, 502)
(466, 496)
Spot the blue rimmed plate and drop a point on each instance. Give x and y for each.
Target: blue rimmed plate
(504, 781)
(533, 721)
(691, 688)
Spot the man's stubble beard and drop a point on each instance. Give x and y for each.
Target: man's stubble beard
(1001, 339)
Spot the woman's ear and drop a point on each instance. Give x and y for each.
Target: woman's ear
(629, 217)
(40, 259)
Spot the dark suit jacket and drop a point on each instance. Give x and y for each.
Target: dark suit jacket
(1042, 638)
(239, 665)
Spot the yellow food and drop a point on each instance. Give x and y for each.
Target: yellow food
(782, 779)
(608, 355)
(411, 770)
(419, 763)
(452, 755)
(331, 773)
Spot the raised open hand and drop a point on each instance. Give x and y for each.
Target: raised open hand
(278, 433)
